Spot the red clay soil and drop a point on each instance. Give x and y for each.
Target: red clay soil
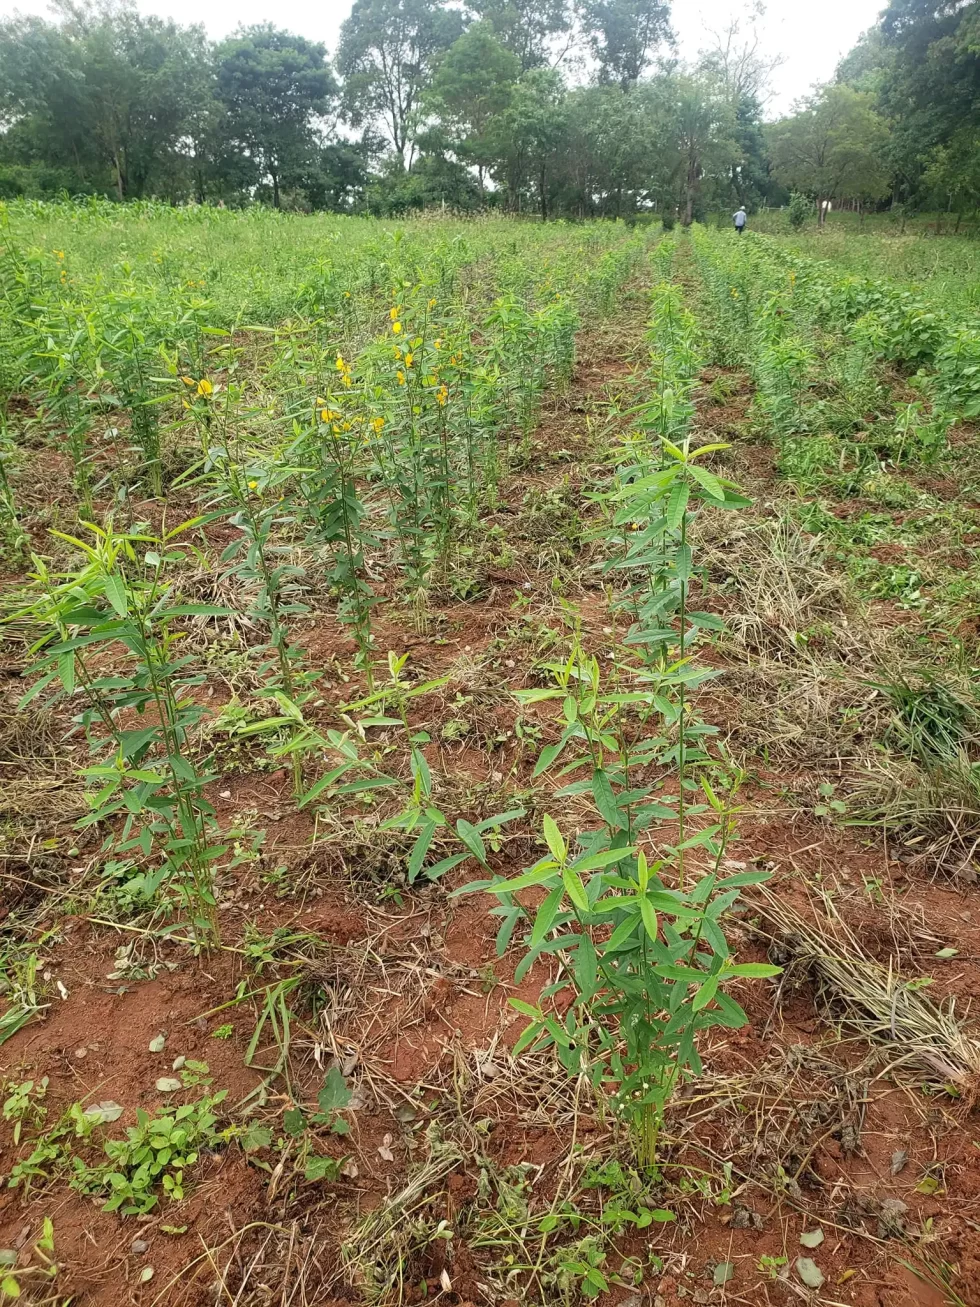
(414, 1009)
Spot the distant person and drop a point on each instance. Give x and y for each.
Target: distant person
(740, 219)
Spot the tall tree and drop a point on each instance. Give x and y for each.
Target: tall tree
(703, 133)
(833, 148)
(386, 56)
(624, 34)
(472, 88)
(533, 128)
(274, 86)
(539, 32)
(107, 83)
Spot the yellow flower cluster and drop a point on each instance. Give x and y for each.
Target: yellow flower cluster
(346, 371)
(203, 387)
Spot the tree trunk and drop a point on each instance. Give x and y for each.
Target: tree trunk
(120, 174)
(275, 189)
(544, 195)
(689, 204)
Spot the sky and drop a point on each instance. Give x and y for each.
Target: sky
(811, 35)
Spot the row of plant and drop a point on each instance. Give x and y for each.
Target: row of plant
(393, 454)
(816, 342)
(634, 903)
(133, 367)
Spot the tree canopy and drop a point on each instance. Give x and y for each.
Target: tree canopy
(554, 107)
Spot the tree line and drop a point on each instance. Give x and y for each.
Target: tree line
(560, 107)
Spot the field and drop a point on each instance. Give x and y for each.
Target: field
(490, 749)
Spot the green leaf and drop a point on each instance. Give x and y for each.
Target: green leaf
(420, 848)
(293, 1122)
(437, 869)
(604, 858)
(554, 839)
(544, 917)
(707, 480)
(605, 799)
(536, 876)
(575, 888)
(334, 1096)
(756, 970)
(680, 493)
(525, 1008)
(705, 994)
(649, 916)
(471, 838)
(624, 932)
(114, 588)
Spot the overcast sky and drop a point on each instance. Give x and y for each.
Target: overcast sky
(810, 34)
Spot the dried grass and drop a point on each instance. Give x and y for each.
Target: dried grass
(872, 1000)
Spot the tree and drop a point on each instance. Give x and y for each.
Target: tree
(623, 34)
(833, 148)
(738, 63)
(703, 135)
(472, 88)
(738, 59)
(274, 86)
(106, 87)
(532, 130)
(952, 177)
(386, 55)
(528, 27)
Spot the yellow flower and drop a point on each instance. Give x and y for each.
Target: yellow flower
(442, 394)
(328, 415)
(396, 328)
(59, 254)
(204, 387)
(346, 294)
(341, 365)
(401, 378)
(431, 379)
(393, 312)
(432, 304)
(437, 344)
(734, 293)
(409, 357)
(376, 425)
(398, 352)
(253, 485)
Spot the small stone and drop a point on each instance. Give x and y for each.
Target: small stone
(80, 1053)
(899, 1159)
(891, 1218)
(809, 1272)
(139, 1247)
